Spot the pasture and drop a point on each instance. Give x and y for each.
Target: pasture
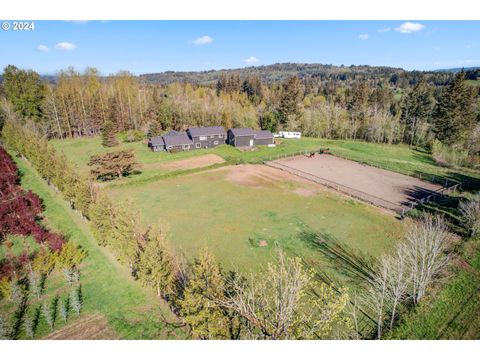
(245, 213)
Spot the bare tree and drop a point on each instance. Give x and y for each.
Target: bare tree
(470, 211)
(425, 252)
(278, 304)
(398, 281)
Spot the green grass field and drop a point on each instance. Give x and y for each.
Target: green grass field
(398, 158)
(203, 208)
(132, 311)
(209, 209)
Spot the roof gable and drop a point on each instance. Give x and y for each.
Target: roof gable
(175, 140)
(242, 132)
(206, 131)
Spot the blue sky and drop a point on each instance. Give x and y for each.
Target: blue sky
(155, 46)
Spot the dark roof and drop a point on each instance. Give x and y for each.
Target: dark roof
(172, 132)
(206, 131)
(242, 132)
(156, 141)
(175, 140)
(263, 134)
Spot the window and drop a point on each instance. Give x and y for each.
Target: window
(220, 136)
(186, 147)
(202, 138)
(198, 145)
(215, 143)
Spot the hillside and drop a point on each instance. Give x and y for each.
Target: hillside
(272, 73)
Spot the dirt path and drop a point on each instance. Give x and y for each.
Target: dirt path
(190, 163)
(92, 327)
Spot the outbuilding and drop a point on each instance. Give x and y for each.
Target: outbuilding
(247, 137)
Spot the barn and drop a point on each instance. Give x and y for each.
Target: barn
(207, 137)
(247, 137)
(263, 137)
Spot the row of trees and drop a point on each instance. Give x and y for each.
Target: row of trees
(213, 303)
(23, 276)
(416, 112)
(286, 301)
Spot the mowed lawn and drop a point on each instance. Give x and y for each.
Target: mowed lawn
(234, 214)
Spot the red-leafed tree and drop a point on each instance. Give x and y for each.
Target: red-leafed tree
(20, 210)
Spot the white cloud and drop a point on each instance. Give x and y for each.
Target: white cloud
(77, 21)
(383, 30)
(65, 46)
(409, 27)
(43, 48)
(363, 36)
(468, 61)
(203, 40)
(251, 60)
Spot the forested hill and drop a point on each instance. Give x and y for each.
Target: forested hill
(273, 73)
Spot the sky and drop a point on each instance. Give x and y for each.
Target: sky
(156, 46)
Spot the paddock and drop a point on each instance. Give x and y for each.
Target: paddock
(380, 187)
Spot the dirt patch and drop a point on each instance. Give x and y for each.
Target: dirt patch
(92, 327)
(193, 163)
(261, 176)
(304, 192)
(381, 187)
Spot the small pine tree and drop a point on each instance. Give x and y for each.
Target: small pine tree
(64, 309)
(28, 326)
(75, 300)
(154, 129)
(109, 134)
(156, 268)
(35, 283)
(5, 328)
(199, 305)
(47, 313)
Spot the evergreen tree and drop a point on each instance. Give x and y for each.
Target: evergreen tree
(454, 115)
(199, 306)
(109, 134)
(416, 110)
(154, 129)
(156, 265)
(289, 110)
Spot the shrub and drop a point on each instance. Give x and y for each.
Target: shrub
(131, 136)
(470, 211)
(448, 155)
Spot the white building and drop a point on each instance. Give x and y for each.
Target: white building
(290, 134)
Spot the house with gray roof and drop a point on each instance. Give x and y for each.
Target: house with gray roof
(172, 140)
(247, 137)
(179, 142)
(156, 143)
(207, 137)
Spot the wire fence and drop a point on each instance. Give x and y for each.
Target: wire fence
(400, 208)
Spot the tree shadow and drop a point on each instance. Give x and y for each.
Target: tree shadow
(354, 265)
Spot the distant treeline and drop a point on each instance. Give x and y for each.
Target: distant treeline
(378, 104)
